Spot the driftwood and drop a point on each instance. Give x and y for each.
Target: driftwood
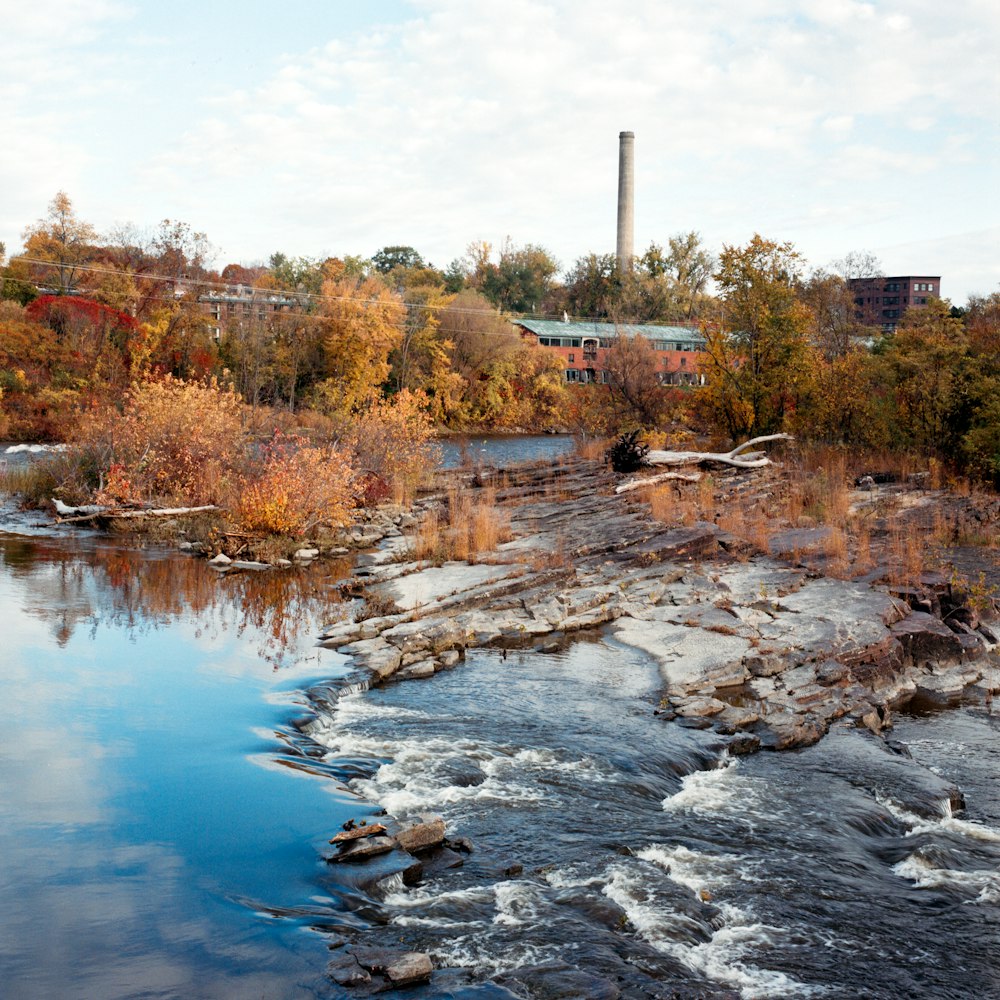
(636, 484)
(738, 457)
(91, 512)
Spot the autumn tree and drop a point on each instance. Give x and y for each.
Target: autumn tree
(62, 242)
(637, 395)
(834, 323)
(361, 323)
(756, 356)
(388, 258)
(518, 281)
(685, 266)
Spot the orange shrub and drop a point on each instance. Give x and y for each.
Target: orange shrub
(392, 439)
(171, 441)
(298, 489)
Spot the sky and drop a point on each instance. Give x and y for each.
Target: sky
(334, 127)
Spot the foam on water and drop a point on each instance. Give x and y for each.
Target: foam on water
(721, 789)
(724, 957)
(925, 875)
(694, 870)
(946, 822)
(419, 771)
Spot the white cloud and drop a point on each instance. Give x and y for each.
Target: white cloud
(470, 121)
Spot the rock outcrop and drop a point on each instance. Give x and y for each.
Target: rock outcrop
(759, 648)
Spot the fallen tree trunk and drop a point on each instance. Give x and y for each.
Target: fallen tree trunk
(91, 512)
(736, 457)
(635, 484)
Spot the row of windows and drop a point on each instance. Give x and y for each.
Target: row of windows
(659, 345)
(588, 376)
(923, 286)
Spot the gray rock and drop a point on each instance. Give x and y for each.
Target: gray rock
(368, 847)
(306, 554)
(412, 967)
(418, 671)
(419, 836)
(220, 560)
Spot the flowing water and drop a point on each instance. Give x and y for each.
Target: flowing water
(164, 812)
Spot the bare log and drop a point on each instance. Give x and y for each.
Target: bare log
(753, 460)
(92, 512)
(636, 484)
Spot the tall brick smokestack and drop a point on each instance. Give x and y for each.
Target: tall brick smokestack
(626, 198)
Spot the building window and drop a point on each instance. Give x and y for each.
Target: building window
(572, 375)
(572, 357)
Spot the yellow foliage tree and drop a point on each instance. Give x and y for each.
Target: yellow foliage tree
(361, 323)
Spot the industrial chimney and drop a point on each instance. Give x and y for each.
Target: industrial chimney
(626, 198)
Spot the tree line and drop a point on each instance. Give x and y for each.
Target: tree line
(84, 315)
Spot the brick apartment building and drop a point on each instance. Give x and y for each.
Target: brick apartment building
(882, 301)
(239, 304)
(583, 348)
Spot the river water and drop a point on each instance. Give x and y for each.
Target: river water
(164, 814)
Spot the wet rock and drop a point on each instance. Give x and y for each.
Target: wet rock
(689, 707)
(449, 658)
(412, 967)
(304, 555)
(743, 743)
(420, 836)
(418, 671)
(462, 844)
(780, 731)
(368, 847)
(927, 640)
(442, 860)
(694, 722)
(358, 833)
(559, 981)
(220, 560)
(345, 970)
(512, 871)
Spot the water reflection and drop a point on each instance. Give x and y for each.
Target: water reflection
(140, 693)
(141, 591)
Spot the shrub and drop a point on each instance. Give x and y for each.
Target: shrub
(298, 489)
(392, 440)
(172, 441)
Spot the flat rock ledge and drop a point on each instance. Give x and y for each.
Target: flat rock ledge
(762, 650)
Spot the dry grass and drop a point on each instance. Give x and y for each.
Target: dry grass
(472, 525)
(590, 448)
(908, 557)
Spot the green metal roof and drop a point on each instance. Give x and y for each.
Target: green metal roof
(556, 328)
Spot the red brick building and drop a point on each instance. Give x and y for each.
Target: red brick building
(882, 301)
(583, 347)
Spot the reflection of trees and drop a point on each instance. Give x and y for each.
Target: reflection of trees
(140, 592)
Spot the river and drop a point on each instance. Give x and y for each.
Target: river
(164, 816)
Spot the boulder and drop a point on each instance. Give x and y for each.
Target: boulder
(926, 640)
(367, 847)
(412, 967)
(419, 836)
(358, 832)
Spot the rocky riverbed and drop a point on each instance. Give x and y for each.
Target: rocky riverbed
(767, 651)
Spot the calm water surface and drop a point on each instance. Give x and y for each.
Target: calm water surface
(148, 828)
